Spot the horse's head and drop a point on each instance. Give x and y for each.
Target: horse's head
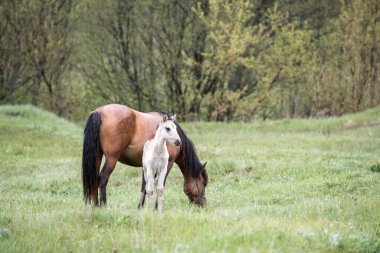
(169, 130)
(195, 188)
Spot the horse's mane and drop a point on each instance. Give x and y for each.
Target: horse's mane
(189, 155)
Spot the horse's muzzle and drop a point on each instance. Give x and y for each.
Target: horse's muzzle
(201, 202)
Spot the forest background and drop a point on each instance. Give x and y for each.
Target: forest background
(222, 60)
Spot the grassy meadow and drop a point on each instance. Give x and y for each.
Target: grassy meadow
(276, 186)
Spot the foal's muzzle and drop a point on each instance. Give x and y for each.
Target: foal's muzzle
(177, 142)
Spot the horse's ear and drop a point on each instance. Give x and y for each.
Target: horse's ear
(165, 118)
(204, 173)
(203, 167)
(173, 117)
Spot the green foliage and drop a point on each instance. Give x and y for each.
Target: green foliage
(228, 41)
(360, 38)
(35, 50)
(202, 59)
(283, 68)
(286, 185)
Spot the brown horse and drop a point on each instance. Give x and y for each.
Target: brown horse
(119, 133)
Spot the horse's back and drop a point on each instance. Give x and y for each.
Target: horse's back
(112, 111)
(117, 129)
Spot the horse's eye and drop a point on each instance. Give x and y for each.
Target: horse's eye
(167, 129)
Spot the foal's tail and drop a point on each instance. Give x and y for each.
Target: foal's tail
(91, 150)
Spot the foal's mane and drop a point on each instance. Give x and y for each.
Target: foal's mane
(189, 155)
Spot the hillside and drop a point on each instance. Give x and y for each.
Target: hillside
(288, 185)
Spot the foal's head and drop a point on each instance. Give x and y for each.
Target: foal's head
(169, 130)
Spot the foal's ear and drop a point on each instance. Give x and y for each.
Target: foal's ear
(165, 118)
(173, 117)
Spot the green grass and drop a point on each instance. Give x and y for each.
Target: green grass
(276, 186)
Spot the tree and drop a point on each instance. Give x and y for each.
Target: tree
(14, 73)
(228, 39)
(172, 35)
(113, 66)
(38, 44)
(360, 29)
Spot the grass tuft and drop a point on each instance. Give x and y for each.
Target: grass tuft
(375, 167)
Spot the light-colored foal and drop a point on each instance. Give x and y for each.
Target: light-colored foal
(155, 158)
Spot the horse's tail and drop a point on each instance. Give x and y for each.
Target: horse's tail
(91, 152)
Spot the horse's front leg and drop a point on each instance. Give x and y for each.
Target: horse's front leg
(143, 192)
(160, 187)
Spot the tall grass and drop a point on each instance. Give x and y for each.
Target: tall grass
(276, 186)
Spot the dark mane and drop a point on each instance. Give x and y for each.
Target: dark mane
(163, 113)
(189, 155)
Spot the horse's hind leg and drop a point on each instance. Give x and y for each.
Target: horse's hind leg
(95, 191)
(104, 175)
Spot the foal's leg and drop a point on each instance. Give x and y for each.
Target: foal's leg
(104, 175)
(169, 167)
(160, 188)
(149, 178)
